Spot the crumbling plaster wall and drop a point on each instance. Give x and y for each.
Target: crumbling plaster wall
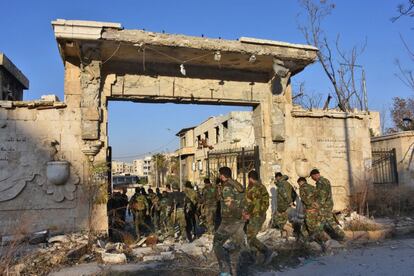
(403, 143)
(336, 143)
(29, 139)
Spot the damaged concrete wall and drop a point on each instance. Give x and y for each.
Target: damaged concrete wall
(336, 143)
(403, 143)
(32, 136)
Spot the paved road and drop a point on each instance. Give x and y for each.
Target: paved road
(394, 257)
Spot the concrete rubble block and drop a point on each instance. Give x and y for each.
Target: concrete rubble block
(77, 252)
(49, 98)
(156, 258)
(163, 247)
(58, 239)
(269, 235)
(39, 237)
(190, 249)
(205, 242)
(113, 258)
(117, 247)
(141, 252)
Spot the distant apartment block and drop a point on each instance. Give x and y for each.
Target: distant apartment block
(142, 167)
(122, 168)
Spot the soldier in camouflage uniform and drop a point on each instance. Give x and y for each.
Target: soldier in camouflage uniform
(257, 203)
(165, 211)
(140, 207)
(209, 199)
(155, 209)
(232, 201)
(309, 199)
(191, 209)
(178, 203)
(286, 195)
(324, 191)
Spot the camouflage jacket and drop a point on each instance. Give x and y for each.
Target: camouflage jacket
(257, 200)
(324, 190)
(210, 195)
(232, 200)
(155, 201)
(286, 195)
(192, 198)
(309, 197)
(139, 203)
(165, 204)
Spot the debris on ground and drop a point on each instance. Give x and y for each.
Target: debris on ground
(40, 253)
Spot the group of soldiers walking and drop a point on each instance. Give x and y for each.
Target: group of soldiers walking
(231, 212)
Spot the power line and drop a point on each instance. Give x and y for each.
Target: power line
(145, 153)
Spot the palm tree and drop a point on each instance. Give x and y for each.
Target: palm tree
(161, 166)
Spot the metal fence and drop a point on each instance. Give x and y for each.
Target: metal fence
(384, 167)
(241, 161)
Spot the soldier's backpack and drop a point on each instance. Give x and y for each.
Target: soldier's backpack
(283, 198)
(139, 203)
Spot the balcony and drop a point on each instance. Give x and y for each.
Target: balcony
(186, 151)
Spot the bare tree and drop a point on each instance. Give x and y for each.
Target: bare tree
(339, 66)
(404, 10)
(308, 100)
(405, 75)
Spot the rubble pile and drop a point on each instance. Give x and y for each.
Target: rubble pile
(48, 254)
(42, 254)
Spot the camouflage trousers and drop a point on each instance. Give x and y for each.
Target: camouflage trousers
(179, 220)
(209, 214)
(314, 227)
(228, 229)
(280, 219)
(155, 218)
(139, 220)
(165, 223)
(330, 225)
(253, 227)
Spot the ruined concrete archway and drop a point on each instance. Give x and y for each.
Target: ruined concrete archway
(133, 65)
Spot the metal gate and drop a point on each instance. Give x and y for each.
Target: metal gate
(240, 161)
(384, 167)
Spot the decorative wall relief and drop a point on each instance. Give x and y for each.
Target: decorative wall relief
(16, 169)
(302, 167)
(12, 186)
(61, 183)
(92, 148)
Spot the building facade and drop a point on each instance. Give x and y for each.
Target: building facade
(122, 168)
(225, 132)
(12, 80)
(142, 167)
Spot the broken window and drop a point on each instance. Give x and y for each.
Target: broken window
(217, 134)
(225, 129)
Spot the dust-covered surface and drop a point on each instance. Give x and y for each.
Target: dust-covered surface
(393, 257)
(82, 254)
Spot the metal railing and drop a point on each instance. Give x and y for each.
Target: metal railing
(384, 167)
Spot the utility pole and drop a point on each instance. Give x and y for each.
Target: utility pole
(181, 177)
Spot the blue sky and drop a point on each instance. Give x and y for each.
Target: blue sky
(26, 37)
